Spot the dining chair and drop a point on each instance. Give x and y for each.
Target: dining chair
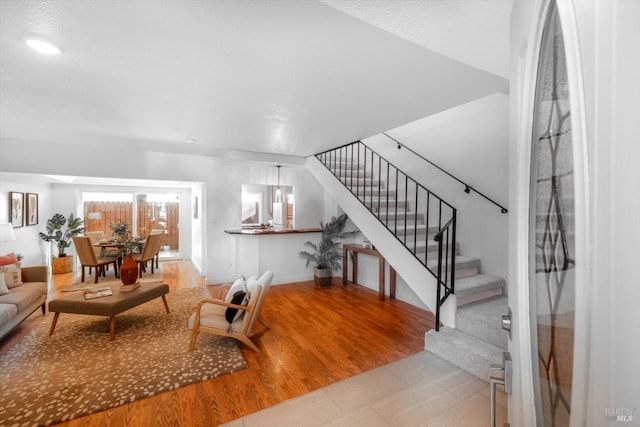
(88, 257)
(163, 232)
(151, 248)
(95, 237)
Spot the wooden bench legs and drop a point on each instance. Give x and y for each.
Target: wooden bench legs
(53, 324)
(112, 328)
(112, 321)
(164, 300)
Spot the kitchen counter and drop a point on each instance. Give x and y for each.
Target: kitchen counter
(261, 231)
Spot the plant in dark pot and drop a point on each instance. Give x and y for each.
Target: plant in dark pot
(62, 237)
(327, 254)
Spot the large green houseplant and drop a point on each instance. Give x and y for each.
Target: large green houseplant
(327, 254)
(61, 231)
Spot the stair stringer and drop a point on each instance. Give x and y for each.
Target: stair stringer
(412, 271)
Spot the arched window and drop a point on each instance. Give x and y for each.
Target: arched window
(552, 231)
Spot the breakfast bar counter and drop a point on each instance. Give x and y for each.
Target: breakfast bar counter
(261, 231)
(260, 249)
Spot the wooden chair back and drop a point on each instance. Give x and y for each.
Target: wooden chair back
(95, 237)
(85, 251)
(151, 247)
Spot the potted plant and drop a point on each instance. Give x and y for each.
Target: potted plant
(327, 254)
(119, 231)
(62, 236)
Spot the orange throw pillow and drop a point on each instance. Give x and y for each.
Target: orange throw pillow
(8, 259)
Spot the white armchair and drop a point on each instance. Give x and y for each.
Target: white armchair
(210, 315)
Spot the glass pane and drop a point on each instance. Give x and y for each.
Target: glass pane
(267, 206)
(160, 213)
(552, 243)
(103, 209)
(251, 208)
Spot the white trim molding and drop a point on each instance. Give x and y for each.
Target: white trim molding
(583, 293)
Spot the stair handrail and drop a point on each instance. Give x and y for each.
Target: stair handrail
(442, 283)
(317, 155)
(467, 188)
(337, 161)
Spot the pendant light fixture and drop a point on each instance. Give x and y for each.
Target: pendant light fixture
(278, 208)
(278, 189)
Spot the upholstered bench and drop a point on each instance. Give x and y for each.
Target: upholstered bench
(107, 306)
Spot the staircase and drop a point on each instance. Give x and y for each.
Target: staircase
(477, 340)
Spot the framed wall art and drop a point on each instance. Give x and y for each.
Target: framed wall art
(16, 208)
(32, 208)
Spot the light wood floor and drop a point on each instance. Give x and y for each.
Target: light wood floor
(419, 390)
(318, 337)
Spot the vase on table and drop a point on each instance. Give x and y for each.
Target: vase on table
(129, 270)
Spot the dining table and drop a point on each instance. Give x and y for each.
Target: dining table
(117, 249)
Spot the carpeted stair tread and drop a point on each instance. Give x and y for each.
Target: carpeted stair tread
(428, 246)
(399, 224)
(343, 165)
(465, 266)
(393, 204)
(480, 286)
(461, 262)
(421, 229)
(400, 215)
(482, 320)
(352, 173)
(362, 181)
(465, 351)
(372, 192)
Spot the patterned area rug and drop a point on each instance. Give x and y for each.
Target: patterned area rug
(78, 371)
(110, 280)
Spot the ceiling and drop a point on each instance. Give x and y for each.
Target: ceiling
(268, 76)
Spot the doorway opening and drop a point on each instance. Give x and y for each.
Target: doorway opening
(144, 212)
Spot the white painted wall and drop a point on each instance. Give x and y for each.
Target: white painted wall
(605, 89)
(27, 241)
(198, 227)
(470, 142)
(221, 190)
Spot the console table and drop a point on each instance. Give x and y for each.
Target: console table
(355, 249)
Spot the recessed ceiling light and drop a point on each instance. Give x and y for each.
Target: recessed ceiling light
(190, 140)
(44, 47)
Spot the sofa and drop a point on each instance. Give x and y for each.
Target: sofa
(23, 291)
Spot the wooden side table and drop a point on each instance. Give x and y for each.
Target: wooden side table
(355, 249)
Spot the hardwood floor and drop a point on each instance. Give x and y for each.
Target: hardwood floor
(318, 336)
